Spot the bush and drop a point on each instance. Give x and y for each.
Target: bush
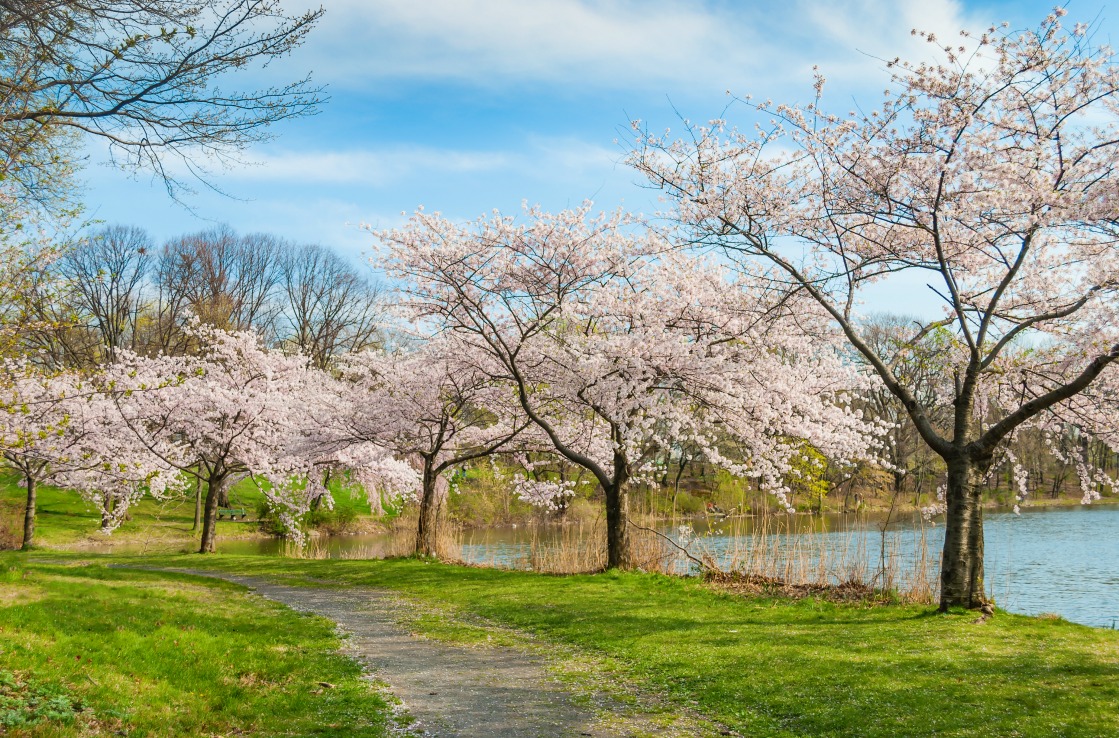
(482, 496)
(689, 504)
(336, 521)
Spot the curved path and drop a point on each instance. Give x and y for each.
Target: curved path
(447, 690)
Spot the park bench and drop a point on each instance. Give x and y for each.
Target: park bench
(232, 512)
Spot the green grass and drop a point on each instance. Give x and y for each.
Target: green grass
(773, 667)
(63, 519)
(90, 650)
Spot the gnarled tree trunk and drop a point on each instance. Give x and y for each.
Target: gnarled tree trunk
(434, 494)
(107, 507)
(617, 510)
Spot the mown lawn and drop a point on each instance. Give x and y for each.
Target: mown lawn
(775, 667)
(64, 519)
(90, 650)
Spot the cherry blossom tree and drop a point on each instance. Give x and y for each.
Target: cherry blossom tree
(991, 174)
(432, 404)
(615, 348)
(235, 409)
(372, 467)
(54, 428)
(36, 431)
(115, 470)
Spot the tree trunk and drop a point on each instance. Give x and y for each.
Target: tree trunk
(107, 507)
(426, 539)
(316, 503)
(29, 516)
(197, 503)
(214, 489)
(223, 496)
(961, 567)
(617, 527)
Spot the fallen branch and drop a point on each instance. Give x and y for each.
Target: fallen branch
(703, 564)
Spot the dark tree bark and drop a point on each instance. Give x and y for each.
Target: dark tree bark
(214, 489)
(617, 527)
(961, 571)
(426, 532)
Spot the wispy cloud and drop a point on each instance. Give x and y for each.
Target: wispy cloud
(660, 45)
(499, 41)
(376, 168)
(380, 168)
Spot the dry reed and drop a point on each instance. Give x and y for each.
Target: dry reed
(775, 553)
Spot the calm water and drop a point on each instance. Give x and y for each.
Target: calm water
(1063, 561)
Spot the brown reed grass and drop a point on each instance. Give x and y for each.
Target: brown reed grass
(771, 553)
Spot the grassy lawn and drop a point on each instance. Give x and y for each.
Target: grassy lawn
(771, 667)
(88, 650)
(64, 519)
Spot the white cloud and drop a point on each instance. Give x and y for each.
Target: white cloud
(496, 41)
(380, 168)
(377, 168)
(668, 46)
(862, 32)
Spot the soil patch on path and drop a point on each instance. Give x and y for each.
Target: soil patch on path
(482, 690)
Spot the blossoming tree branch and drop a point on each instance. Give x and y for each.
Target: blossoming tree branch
(992, 175)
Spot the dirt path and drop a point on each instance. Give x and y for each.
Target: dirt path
(470, 692)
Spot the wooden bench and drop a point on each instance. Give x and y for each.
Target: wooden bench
(232, 512)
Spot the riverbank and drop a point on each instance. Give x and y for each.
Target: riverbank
(66, 522)
(763, 666)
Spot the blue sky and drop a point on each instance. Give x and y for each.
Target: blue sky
(463, 106)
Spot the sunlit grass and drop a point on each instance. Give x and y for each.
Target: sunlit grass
(780, 667)
(64, 519)
(152, 654)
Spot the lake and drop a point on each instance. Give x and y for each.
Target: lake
(1063, 561)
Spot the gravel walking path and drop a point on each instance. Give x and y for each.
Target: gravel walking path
(448, 690)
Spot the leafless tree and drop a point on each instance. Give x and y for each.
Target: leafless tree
(328, 306)
(219, 277)
(106, 278)
(142, 75)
